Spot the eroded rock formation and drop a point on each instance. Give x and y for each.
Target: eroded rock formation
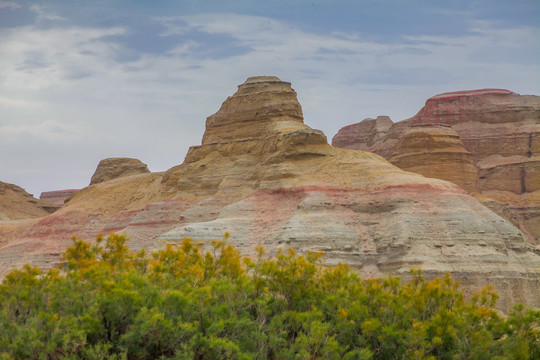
(436, 151)
(57, 197)
(16, 204)
(114, 168)
(267, 178)
(499, 128)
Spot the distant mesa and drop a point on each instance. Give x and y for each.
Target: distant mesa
(114, 168)
(269, 179)
(57, 197)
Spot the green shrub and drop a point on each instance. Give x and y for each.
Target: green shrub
(107, 302)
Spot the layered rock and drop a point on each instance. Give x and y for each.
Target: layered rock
(57, 197)
(501, 130)
(363, 135)
(113, 168)
(267, 178)
(435, 150)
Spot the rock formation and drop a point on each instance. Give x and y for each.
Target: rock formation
(435, 150)
(114, 168)
(267, 178)
(57, 197)
(363, 135)
(499, 128)
(16, 204)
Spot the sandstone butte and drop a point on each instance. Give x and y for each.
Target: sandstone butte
(268, 179)
(486, 141)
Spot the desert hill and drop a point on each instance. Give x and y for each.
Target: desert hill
(268, 179)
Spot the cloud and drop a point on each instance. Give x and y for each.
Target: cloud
(9, 5)
(43, 14)
(48, 131)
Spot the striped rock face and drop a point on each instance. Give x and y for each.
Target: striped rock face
(268, 179)
(498, 134)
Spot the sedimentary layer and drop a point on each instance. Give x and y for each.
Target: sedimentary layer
(498, 128)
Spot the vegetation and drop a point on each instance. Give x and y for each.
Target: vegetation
(107, 302)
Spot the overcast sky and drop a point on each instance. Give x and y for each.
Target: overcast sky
(81, 81)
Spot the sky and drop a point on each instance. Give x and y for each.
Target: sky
(81, 81)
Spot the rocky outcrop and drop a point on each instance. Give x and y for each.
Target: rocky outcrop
(16, 204)
(57, 197)
(499, 128)
(363, 135)
(435, 150)
(113, 168)
(267, 178)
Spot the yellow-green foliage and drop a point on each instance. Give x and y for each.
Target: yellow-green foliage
(107, 302)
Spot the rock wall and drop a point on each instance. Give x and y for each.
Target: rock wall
(499, 128)
(267, 178)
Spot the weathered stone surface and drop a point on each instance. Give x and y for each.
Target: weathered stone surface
(16, 204)
(57, 197)
(363, 135)
(113, 168)
(501, 130)
(269, 179)
(435, 150)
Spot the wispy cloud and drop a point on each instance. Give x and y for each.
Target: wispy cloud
(49, 130)
(9, 5)
(43, 14)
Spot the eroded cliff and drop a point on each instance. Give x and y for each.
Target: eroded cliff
(498, 128)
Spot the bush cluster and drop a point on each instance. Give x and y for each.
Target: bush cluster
(107, 302)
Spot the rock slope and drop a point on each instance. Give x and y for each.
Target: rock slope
(16, 204)
(267, 178)
(499, 128)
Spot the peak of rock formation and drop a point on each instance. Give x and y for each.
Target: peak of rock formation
(267, 178)
(499, 128)
(113, 168)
